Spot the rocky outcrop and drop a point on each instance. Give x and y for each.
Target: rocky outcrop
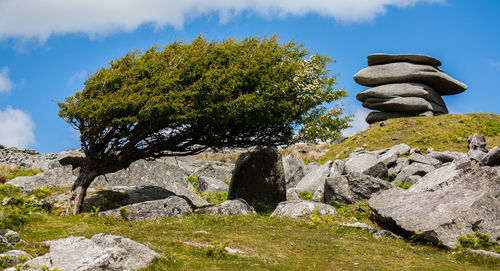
(229, 207)
(101, 252)
(297, 208)
(405, 85)
(294, 169)
(453, 200)
(148, 210)
(63, 176)
(211, 185)
(353, 187)
(259, 177)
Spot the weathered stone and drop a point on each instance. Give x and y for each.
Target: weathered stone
(411, 105)
(492, 158)
(381, 116)
(258, 177)
(353, 187)
(366, 163)
(228, 207)
(153, 173)
(419, 158)
(369, 229)
(486, 253)
(445, 156)
(297, 208)
(11, 236)
(294, 170)
(403, 72)
(314, 179)
(292, 194)
(311, 166)
(211, 185)
(378, 59)
(101, 252)
(12, 257)
(63, 176)
(415, 169)
(147, 210)
(477, 142)
(391, 155)
(389, 91)
(70, 157)
(217, 170)
(450, 201)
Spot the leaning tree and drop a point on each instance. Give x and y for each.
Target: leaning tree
(186, 97)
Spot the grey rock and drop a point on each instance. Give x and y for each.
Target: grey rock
(292, 194)
(450, 201)
(10, 235)
(381, 116)
(402, 72)
(486, 253)
(477, 142)
(416, 169)
(112, 197)
(211, 185)
(170, 207)
(229, 250)
(314, 179)
(353, 187)
(492, 158)
(377, 59)
(217, 170)
(389, 91)
(12, 256)
(228, 207)
(445, 156)
(411, 105)
(101, 252)
(297, 208)
(259, 177)
(366, 163)
(311, 166)
(70, 157)
(391, 155)
(294, 170)
(369, 229)
(419, 158)
(153, 173)
(63, 176)
(477, 155)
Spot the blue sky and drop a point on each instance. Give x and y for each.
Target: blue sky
(49, 47)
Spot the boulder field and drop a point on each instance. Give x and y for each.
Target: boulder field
(405, 85)
(447, 194)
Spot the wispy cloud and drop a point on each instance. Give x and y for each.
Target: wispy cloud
(358, 123)
(16, 128)
(494, 63)
(40, 19)
(77, 78)
(6, 85)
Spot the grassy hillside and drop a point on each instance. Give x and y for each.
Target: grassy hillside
(445, 132)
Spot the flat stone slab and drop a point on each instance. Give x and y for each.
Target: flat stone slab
(404, 72)
(297, 208)
(404, 104)
(378, 59)
(380, 116)
(390, 91)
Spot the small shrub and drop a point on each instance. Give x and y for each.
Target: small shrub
(217, 249)
(215, 198)
(41, 192)
(124, 213)
(306, 195)
(393, 176)
(316, 221)
(403, 185)
(95, 211)
(193, 180)
(481, 240)
(358, 210)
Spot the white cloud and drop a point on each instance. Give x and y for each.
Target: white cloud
(40, 19)
(77, 78)
(6, 85)
(16, 128)
(358, 123)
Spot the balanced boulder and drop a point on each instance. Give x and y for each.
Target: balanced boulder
(405, 86)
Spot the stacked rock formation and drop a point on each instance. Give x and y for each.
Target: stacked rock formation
(405, 85)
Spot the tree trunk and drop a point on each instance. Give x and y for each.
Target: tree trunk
(79, 190)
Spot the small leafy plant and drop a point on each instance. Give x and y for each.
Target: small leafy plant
(481, 240)
(305, 195)
(403, 185)
(193, 180)
(124, 212)
(217, 249)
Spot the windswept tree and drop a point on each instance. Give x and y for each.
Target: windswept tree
(186, 97)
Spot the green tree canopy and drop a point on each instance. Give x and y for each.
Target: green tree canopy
(186, 97)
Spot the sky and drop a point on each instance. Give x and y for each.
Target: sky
(48, 48)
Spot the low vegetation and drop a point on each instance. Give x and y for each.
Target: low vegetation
(271, 243)
(9, 172)
(445, 132)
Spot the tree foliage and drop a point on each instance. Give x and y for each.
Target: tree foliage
(186, 97)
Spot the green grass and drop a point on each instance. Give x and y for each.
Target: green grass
(271, 244)
(445, 132)
(9, 172)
